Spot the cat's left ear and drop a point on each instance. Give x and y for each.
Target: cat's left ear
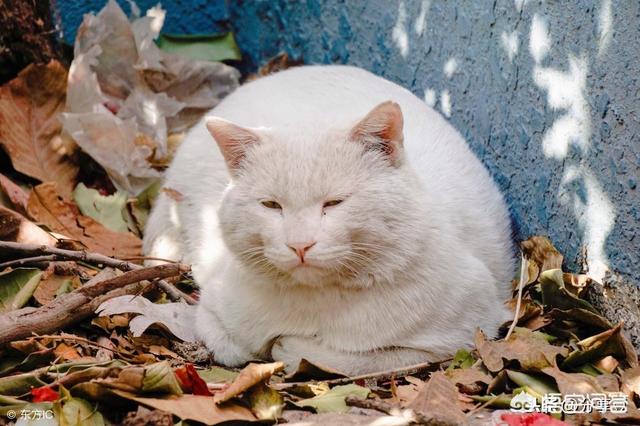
(232, 140)
(381, 130)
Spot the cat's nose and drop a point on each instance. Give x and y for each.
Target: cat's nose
(300, 249)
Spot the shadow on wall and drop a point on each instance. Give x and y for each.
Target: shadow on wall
(544, 92)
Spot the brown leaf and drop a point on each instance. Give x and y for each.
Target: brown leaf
(16, 195)
(579, 383)
(49, 286)
(631, 381)
(307, 370)
(531, 350)
(611, 342)
(15, 227)
(438, 398)
(66, 352)
(61, 216)
(541, 255)
(146, 417)
(194, 407)
(29, 126)
(251, 375)
(469, 380)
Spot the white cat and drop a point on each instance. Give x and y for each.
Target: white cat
(351, 225)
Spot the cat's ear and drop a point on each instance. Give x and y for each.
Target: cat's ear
(232, 140)
(381, 130)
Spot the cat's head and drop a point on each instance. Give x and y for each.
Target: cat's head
(339, 208)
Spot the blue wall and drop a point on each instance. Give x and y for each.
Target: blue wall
(546, 93)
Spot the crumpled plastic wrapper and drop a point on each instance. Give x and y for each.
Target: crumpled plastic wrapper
(125, 95)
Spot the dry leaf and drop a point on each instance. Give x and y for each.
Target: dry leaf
(251, 375)
(49, 208)
(29, 126)
(469, 380)
(307, 370)
(178, 318)
(579, 383)
(437, 398)
(50, 285)
(631, 381)
(531, 350)
(66, 352)
(541, 255)
(16, 195)
(194, 407)
(15, 227)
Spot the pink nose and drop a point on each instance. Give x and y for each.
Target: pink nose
(301, 249)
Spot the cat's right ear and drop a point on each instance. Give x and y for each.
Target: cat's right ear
(232, 140)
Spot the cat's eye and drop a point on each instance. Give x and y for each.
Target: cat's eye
(331, 203)
(271, 205)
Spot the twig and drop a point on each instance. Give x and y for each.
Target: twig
(384, 407)
(81, 303)
(28, 261)
(379, 375)
(96, 259)
(523, 278)
(65, 336)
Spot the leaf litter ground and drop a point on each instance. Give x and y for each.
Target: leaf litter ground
(95, 340)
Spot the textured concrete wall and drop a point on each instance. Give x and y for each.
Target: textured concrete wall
(183, 16)
(546, 93)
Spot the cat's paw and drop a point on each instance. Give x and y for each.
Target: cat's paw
(223, 348)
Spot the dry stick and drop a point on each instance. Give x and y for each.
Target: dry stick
(379, 375)
(523, 277)
(95, 259)
(384, 407)
(29, 261)
(80, 304)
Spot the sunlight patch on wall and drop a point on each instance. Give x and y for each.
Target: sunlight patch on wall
(430, 97)
(605, 26)
(509, 43)
(399, 34)
(520, 4)
(445, 103)
(579, 191)
(566, 92)
(450, 67)
(420, 25)
(539, 41)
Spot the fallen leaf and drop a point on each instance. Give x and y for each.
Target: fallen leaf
(462, 359)
(307, 370)
(21, 384)
(217, 375)
(178, 318)
(266, 403)
(541, 255)
(251, 375)
(17, 228)
(469, 380)
(29, 126)
(437, 398)
(44, 394)
(160, 378)
(145, 417)
(190, 381)
(16, 287)
(334, 400)
(555, 295)
(49, 208)
(107, 210)
(52, 286)
(574, 383)
(194, 407)
(534, 384)
(631, 381)
(76, 411)
(529, 348)
(611, 342)
(16, 195)
(66, 352)
(201, 47)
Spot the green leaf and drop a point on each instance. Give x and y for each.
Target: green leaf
(108, 210)
(20, 384)
(540, 386)
(17, 287)
(159, 377)
(555, 295)
(462, 359)
(217, 375)
(333, 400)
(78, 412)
(202, 47)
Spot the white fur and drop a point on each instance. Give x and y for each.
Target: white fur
(413, 260)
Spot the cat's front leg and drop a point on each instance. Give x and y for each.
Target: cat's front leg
(291, 349)
(224, 349)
